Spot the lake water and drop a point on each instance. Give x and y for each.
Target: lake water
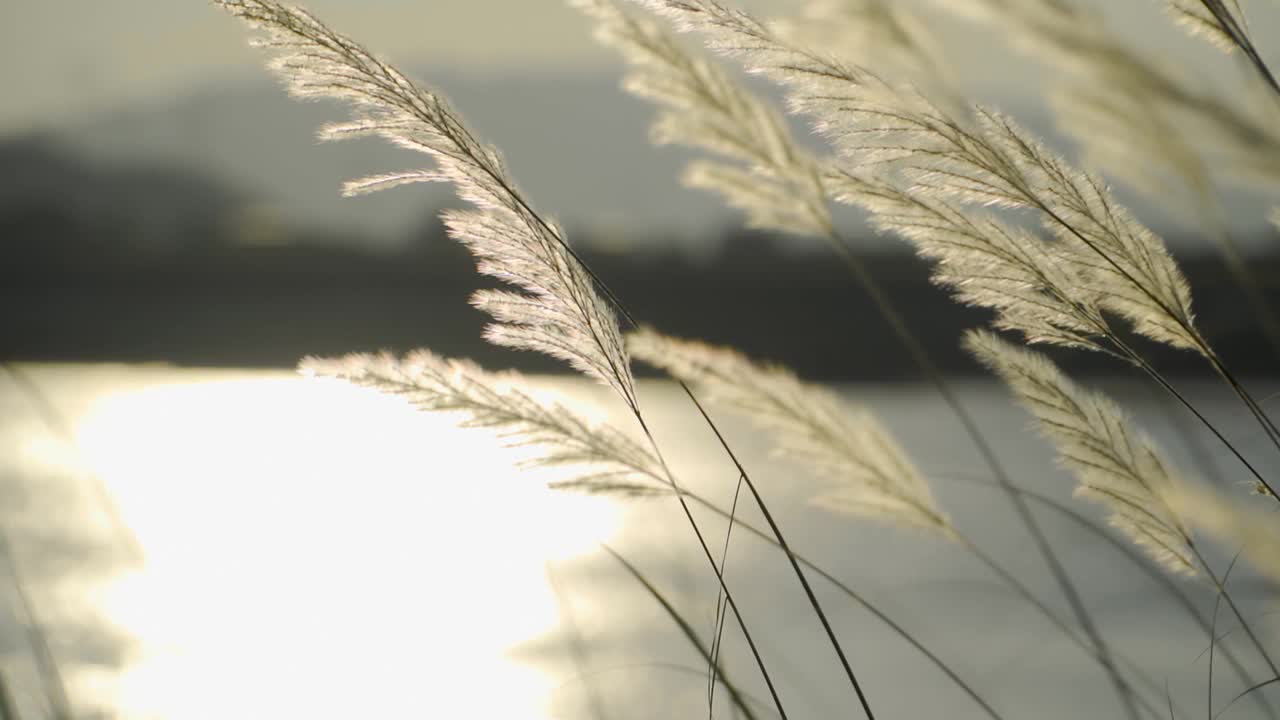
(250, 544)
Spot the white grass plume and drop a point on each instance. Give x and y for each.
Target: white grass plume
(845, 444)
(986, 263)
(886, 33)
(874, 123)
(1135, 117)
(766, 174)
(558, 310)
(1224, 24)
(1256, 533)
(1117, 465)
(1221, 22)
(608, 460)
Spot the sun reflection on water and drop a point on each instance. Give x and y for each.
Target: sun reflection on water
(318, 550)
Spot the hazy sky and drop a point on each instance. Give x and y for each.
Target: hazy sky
(62, 57)
(65, 56)
(139, 79)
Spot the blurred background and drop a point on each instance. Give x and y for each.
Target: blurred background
(189, 530)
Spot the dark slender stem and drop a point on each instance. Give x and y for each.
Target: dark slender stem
(669, 667)
(1201, 345)
(1162, 382)
(686, 629)
(1231, 603)
(1263, 419)
(1174, 590)
(926, 366)
(1213, 634)
(1242, 41)
(56, 423)
(706, 551)
(856, 597)
(51, 679)
(1249, 691)
(718, 624)
(577, 648)
(7, 710)
(1022, 590)
(777, 531)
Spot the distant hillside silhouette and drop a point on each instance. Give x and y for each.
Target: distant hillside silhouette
(152, 264)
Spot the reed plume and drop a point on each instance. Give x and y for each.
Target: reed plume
(1144, 122)
(606, 459)
(845, 444)
(1256, 532)
(557, 309)
(1117, 465)
(763, 171)
(1119, 265)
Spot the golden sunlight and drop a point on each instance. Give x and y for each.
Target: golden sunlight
(314, 549)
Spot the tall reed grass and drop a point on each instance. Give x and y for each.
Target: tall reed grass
(1008, 224)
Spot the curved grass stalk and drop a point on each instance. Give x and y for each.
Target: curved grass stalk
(852, 594)
(875, 478)
(706, 109)
(7, 709)
(52, 682)
(615, 463)
(1213, 627)
(763, 705)
(1249, 691)
(1117, 465)
(1112, 262)
(1171, 588)
(563, 310)
(1223, 22)
(1089, 649)
(735, 695)
(577, 648)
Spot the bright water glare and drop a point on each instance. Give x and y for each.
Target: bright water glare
(312, 549)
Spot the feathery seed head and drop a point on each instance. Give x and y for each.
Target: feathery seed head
(847, 445)
(558, 309)
(1117, 465)
(608, 460)
(764, 172)
(1124, 267)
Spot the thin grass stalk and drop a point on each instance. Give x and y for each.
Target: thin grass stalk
(782, 543)
(1245, 278)
(813, 600)
(1191, 441)
(7, 710)
(1172, 588)
(922, 360)
(1202, 345)
(1160, 380)
(53, 419)
(1240, 37)
(1248, 691)
(1235, 610)
(753, 131)
(745, 477)
(718, 624)
(51, 679)
(858, 598)
(1213, 635)
(986, 173)
(437, 384)
(689, 633)
(577, 648)
(462, 140)
(671, 667)
(719, 571)
(1023, 591)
